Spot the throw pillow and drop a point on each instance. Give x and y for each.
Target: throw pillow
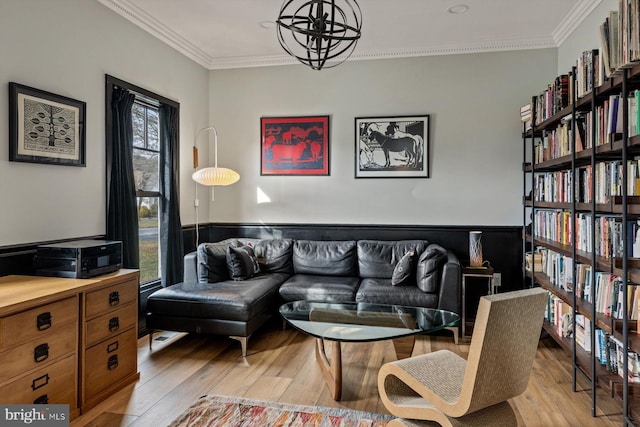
(212, 261)
(404, 270)
(429, 268)
(242, 263)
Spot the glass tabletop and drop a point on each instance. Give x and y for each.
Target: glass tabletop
(357, 321)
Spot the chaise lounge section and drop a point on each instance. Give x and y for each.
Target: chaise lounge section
(235, 286)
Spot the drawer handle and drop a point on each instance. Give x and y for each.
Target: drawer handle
(43, 321)
(112, 347)
(114, 324)
(41, 353)
(114, 298)
(112, 363)
(42, 400)
(40, 382)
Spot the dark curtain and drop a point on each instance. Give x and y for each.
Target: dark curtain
(122, 214)
(171, 246)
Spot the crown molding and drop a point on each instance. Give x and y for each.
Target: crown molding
(454, 49)
(157, 29)
(139, 17)
(574, 18)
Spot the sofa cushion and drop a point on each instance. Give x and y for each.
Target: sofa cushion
(378, 258)
(227, 300)
(212, 260)
(404, 272)
(275, 255)
(330, 258)
(428, 269)
(378, 291)
(319, 288)
(242, 262)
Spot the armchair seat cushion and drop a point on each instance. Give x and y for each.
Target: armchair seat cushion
(380, 291)
(227, 300)
(319, 288)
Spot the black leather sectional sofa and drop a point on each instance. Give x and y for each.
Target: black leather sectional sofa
(233, 287)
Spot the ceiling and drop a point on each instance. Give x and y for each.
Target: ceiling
(226, 33)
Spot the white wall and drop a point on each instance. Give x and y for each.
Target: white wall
(585, 37)
(475, 143)
(66, 47)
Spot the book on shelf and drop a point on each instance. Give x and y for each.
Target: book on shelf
(560, 315)
(615, 360)
(633, 113)
(581, 134)
(614, 40)
(583, 332)
(620, 37)
(634, 31)
(526, 115)
(552, 100)
(533, 260)
(614, 116)
(601, 346)
(605, 47)
(587, 63)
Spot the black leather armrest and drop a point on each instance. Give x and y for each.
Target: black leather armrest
(450, 287)
(191, 267)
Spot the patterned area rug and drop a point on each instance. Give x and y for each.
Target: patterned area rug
(221, 411)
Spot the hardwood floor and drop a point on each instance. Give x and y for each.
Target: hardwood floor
(281, 366)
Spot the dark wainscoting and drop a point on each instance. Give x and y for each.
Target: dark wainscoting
(501, 245)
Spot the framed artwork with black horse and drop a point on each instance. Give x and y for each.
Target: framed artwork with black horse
(392, 147)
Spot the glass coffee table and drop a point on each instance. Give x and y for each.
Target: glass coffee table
(361, 322)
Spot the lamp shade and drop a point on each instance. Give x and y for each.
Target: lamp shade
(215, 176)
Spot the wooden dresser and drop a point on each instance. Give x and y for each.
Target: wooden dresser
(70, 341)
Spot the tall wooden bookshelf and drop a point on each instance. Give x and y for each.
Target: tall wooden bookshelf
(559, 212)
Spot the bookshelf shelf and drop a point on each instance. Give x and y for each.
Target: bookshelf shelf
(585, 308)
(581, 187)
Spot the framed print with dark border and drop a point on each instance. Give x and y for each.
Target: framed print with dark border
(294, 145)
(392, 147)
(45, 127)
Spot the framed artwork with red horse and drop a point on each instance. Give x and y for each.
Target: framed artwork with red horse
(294, 145)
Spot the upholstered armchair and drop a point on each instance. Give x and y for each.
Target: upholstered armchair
(445, 388)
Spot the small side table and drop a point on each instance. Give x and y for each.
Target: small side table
(482, 272)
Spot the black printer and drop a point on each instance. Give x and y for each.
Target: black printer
(78, 259)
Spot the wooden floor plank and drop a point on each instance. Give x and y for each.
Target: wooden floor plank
(184, 395)
(281, 367)
(268, 388)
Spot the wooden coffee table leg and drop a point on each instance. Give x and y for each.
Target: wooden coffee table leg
(332, 372)
(404, 346)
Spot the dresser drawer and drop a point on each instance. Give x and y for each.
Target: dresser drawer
(107, 299)
(110, 324)
(53, 384)
(110, 361)
(38, 322)
(38, 353)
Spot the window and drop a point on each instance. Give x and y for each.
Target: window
(142, 197)
(146, 173)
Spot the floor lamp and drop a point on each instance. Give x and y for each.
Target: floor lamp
(210, 176)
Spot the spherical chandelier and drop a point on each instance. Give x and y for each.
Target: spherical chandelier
(319, 31)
